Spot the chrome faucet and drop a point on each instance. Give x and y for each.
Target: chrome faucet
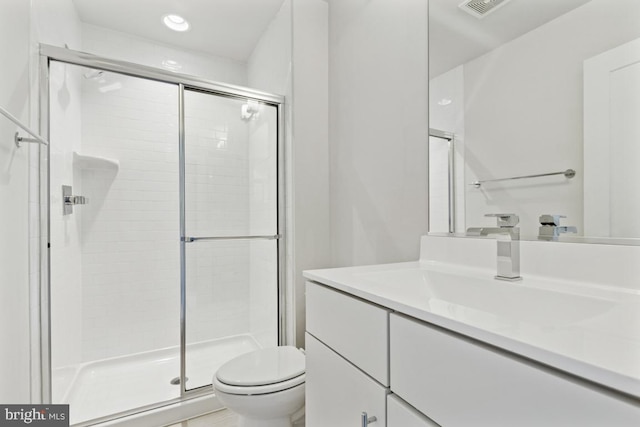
(508, 255)
(550, 228)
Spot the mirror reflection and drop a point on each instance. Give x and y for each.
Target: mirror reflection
(533, 111)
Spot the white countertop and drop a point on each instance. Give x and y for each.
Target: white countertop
(587, 330)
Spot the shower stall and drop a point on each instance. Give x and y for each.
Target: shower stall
(164, 251)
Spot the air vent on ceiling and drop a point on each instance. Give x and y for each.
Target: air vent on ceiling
(481, 8)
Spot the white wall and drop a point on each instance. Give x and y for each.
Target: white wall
(269, 66)
(378, 129)
(297, 40)
(14, 210)
(310, 147)
(127, 47)
(519, 121)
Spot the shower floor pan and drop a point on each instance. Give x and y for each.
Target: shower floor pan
(110, 386)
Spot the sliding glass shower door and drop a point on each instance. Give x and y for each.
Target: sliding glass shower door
(231, 230)
(164, 251)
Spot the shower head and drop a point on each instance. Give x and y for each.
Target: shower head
(250, 110)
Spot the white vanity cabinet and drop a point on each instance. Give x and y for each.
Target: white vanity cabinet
(353, 328)
(409, 373)
(347, 370)
(460, 382)
(337, 393)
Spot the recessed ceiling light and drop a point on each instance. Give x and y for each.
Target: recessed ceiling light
(175, 22)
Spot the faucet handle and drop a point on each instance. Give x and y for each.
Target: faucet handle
(550, 228)
(550, 219)
(505, 219)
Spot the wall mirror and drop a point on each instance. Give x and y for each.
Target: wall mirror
(534, 110)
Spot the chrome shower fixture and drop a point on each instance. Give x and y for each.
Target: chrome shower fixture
(250, 110)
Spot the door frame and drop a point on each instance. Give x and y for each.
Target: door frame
(597, 139)
(42, 291)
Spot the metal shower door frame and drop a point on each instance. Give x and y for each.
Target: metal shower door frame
(182, 82)
(451, 172)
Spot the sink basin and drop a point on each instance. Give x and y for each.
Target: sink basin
(509, 301)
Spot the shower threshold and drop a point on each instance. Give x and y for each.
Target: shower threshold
(109, 386)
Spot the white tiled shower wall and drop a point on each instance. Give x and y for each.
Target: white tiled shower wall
(66, 257)
(130, 228)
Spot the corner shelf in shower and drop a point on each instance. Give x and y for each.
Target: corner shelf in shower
(84, 161)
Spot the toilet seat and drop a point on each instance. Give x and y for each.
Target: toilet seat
(259, 389)
(261, 372)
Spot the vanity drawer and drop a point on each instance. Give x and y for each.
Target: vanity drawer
(355, 329)
(459, 382)
(337, 393)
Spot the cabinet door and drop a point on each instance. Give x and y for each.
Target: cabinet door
(460, 383)
(337, 393)
(355, 329)
(401, 414)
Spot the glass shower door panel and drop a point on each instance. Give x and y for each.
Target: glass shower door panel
(230, 166)
(115, 259)
(232, 303)
(231, 223)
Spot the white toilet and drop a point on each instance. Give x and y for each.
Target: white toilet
(264, 387)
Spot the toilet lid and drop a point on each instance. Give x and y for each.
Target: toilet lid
(262, 367)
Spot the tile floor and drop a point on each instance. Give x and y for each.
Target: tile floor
(224, 418)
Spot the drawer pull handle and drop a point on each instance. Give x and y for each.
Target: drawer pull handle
(366, 420)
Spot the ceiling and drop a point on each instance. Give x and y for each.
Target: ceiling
(231, 28)
(227, 28)
(456, 37)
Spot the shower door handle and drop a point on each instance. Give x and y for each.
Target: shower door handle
(267, 237)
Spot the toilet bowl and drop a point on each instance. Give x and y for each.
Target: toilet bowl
(265, 388)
